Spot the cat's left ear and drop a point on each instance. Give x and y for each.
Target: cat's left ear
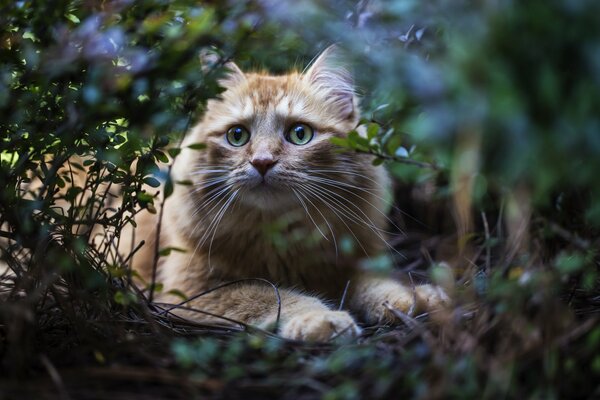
(327, 74)
(233, 75)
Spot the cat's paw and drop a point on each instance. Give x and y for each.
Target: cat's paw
(431, 297)
(409, 301)
(320, 326)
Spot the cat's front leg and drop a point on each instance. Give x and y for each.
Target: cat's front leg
(369, 296)
(302, 317)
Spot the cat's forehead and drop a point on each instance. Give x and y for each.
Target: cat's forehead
(264, 97)
(264, 92)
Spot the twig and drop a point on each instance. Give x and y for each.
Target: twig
(135, 250)
(412, 323)
(411, 310)
(487, 243)
(344, 296)
(583, 244)
(157, 246)
(55, 376)
(402, 160)
(196, 310)
(276, 290)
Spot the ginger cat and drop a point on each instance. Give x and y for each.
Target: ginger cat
(269, 162)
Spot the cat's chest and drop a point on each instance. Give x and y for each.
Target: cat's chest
(282, 254)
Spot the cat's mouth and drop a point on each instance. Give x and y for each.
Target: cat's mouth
(267, 181)
(267, 192)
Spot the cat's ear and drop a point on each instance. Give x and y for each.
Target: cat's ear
(326, 73)
(233, 75)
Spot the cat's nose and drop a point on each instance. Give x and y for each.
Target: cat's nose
(263, 163)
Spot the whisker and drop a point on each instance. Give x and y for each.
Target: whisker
(376, 230)
(308, 213)
(218, 203)
(220, 217)
(212, 195)
(324, 219)
(336, 212)
(208, 184)
(346, 172)
(216, 199)
(342, 185)
(355, 173)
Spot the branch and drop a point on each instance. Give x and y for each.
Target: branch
(402, 160)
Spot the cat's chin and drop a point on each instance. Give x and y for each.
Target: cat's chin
(267, 196)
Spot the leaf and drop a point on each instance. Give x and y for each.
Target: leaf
(339, 141)
(358, 142)
(60, 182)
(372, 130)
(30, 36)
(124, 298)
(174, 152)
(378, 161)
(160, 156)
(158, 287)
(178, 293)
(197, 146)
(168, 187)
(151, 181)
(72, 18)
(77, 166)
(167, 250)
(145, 197)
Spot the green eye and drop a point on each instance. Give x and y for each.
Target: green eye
(238, 136)
(300, 134)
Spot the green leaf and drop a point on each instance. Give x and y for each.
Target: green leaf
(72, 18)
(378, 161)
(174, 152)
(178, 293)
(357, 141)
(167, 250)
(392, 144)
(145, 197)
(339, 141)
(372, 130)
(160, 156)
(197, 146)
(168, 187)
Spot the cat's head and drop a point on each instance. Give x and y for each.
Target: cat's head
(268, 137)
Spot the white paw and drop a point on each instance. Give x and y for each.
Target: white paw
(320, 326)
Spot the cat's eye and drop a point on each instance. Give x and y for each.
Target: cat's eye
(238, 136)
(300, 134)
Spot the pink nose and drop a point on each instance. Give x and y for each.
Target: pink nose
(263, 163)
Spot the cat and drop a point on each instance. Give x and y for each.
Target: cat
(271, 198)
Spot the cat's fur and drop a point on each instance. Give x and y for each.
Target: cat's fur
(286, 227)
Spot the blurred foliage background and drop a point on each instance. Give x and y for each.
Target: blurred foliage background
(486, 112)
